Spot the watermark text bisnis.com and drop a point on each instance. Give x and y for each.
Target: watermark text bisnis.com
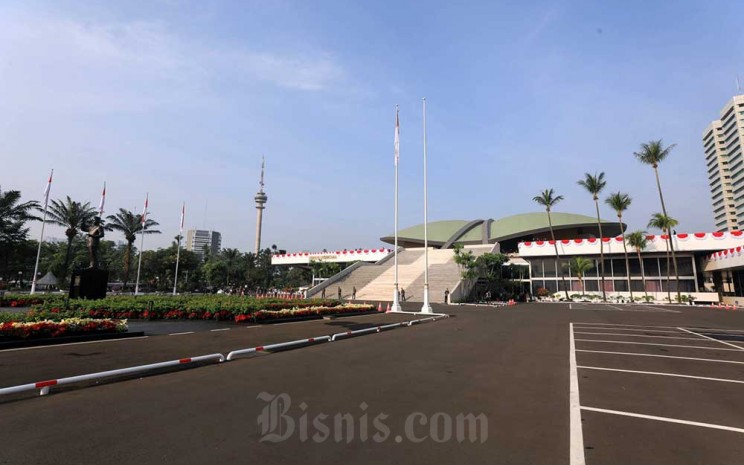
(279, 422)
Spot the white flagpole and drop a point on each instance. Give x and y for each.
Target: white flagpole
(426, 308)
(396, 291)
(41, 236)
(103, 201)
(142, 244)
(178, 253)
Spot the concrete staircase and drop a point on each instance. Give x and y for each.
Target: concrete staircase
(376, 282)
(443, 274)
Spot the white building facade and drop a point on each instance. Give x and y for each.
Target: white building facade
(724, 158)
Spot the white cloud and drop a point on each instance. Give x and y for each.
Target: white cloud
(66, 65)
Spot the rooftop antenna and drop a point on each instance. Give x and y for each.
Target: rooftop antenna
(738, 85)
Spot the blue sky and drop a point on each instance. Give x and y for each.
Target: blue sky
(181, 99)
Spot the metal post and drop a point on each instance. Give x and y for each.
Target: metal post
(426, 307)
(396, 296)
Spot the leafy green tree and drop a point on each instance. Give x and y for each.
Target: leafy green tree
(620, 202)
(594, 184)
(548, 200)
(653, 153)
(231, 258)
(637, 240)
(14, 215)
(129, 224)
(216, 272)
(666, 224)
(74, 217)
(579, 266)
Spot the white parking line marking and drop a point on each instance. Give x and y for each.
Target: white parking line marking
(181, 334)
(220, 329)
(626, 326)
(577, 435)
(674, 375)
(639, 335)
(711, 339)
(597, 308)
(654, 344)
(660, 356)
(73, 344)
(740, 331)
(627, 329)
(664, 419)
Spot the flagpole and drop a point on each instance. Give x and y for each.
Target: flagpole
(41, 237)
(426, 307)
(178, 253)
(103, 201)
(396, 291)
(142, 244)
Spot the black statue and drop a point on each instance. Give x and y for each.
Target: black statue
(95, 233)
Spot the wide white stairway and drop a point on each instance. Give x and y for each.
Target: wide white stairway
(376, 282)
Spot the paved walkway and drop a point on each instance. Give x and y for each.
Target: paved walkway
(512, 365)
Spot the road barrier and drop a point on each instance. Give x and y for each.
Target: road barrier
(45, 386)
(280, 345)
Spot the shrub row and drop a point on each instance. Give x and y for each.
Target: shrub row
(265, 314)
(12, 330)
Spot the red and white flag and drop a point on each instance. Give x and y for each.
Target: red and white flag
(47, 189)
(144, 210)
(103, 201)
(397, 138)
(183, 215)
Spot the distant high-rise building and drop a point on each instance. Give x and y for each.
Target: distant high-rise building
(198, 239)
(260, 199)
(723, 141)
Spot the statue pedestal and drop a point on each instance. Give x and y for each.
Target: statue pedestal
(89, 283)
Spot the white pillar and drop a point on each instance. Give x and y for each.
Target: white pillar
(396, 297)
(426, 307)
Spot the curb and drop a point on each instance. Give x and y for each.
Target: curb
(50, 341)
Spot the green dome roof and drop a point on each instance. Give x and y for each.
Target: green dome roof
(472, 232)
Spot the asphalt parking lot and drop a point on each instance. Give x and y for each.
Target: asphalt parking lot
(659, 386)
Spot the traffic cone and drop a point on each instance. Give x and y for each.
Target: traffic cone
(388, 308)
(379, 307)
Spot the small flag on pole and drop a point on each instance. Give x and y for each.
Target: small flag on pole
(48, 188)
(183, 215)
(144, 210)
(103, 200)
(397, 138)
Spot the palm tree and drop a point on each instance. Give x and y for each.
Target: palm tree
(13, 218)
(130, 224)
(231, 258)
(71, 215)
(579, 266)
(653, 153)
(548, 199)
(637, 240)
(666, 224)
(620, 202)
(13, 215)
(594, 185)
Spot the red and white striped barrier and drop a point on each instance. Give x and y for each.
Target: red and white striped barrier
(280, 345)
(45, 386)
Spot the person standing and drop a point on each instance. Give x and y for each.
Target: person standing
(446, 296)
(339, 292)
(353, 293)
(402, 295)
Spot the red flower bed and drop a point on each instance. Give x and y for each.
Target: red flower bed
(69, 327)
